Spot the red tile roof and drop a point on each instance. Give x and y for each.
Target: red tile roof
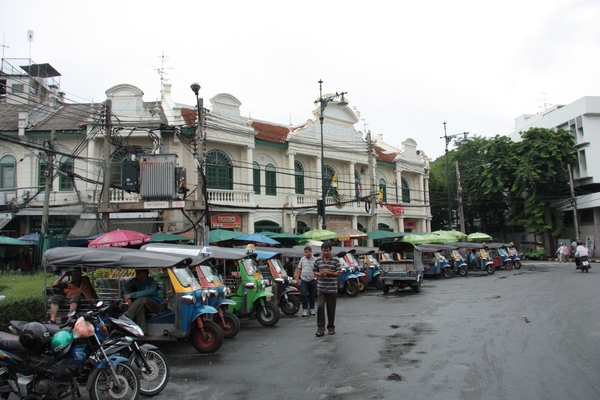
(385, 157)
(270, 133)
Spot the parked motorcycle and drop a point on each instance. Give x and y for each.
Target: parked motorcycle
(52, 362)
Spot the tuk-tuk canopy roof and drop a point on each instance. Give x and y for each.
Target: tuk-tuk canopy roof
(221, 253)
(111, 258)
(436, 247)
(397, 247)
(469, 245)
(497, 245)
(285, 252)
(365, 250)
(260, 254)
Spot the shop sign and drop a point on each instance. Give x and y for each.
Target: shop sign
(410, 224)
(225, 221)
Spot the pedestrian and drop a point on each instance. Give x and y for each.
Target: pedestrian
(308, 285)
(141, 293)
(573, 247)
(327, 271)
(564, 253)
(26, 267)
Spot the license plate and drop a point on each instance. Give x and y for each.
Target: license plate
(586, 263)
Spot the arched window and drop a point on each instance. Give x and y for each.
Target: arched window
(328, 174)
(266, 226)
(65, 173)
(299, 177)
(357, 185)
(382, 191)
(405, 191)
(8, 172)
(256, 177)
(219, 170)
(270, 180)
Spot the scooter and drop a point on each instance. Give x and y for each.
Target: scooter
(583, 263)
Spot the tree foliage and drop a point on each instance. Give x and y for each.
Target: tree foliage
(504, 181)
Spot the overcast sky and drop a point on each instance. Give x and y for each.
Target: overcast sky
(407, 66)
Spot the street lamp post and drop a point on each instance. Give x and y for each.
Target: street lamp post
(323, 101)
(449, 138)
(201, 165)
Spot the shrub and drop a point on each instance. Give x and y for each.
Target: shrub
(24, 298)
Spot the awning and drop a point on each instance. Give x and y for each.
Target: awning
(5, 219)
(85, 228)
(64, 210)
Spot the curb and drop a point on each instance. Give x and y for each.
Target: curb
(594, 260)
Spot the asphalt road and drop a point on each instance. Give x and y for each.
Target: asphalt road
(532, 333)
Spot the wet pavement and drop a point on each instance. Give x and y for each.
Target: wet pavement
(532, 333)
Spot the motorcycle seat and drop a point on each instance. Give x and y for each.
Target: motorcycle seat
(10, 342)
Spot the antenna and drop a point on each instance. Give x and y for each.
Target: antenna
(544, 105)
(3, 47)
(364, 124)
(161, 71)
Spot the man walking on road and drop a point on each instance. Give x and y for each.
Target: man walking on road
(327, 272)
(308, 284)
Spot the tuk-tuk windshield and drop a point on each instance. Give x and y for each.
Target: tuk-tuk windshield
(250, 266)
(185, 278)
(351, 259)
(456, 254)
(484, 253)
(503, 252)
(210, 274)
(343, 262)
(370, 259)
(439, 256)
(277, 265)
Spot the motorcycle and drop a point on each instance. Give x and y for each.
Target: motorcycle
(52, 362)
(583, 263)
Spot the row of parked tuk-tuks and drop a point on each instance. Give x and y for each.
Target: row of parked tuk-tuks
(206, 292)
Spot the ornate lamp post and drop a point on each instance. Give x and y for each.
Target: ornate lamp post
(323, 102)
(448, 139)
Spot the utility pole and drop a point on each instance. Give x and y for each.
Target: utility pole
(372, 178)
(460, 200)
(574, 203)
(200, 164)
(106, 184)
(48, 188)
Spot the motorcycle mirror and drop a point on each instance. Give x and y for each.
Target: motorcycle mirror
(71, 314)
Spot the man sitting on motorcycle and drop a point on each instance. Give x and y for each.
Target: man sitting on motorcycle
(581, 251)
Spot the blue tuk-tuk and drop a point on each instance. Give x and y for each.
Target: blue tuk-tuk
(370, 265)
(434, 262)
(478, 258)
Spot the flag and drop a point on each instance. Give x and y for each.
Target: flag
(395, 209)
(334, 180)
(380, 197)
(30, 36)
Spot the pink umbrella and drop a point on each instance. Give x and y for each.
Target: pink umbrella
(120, 238)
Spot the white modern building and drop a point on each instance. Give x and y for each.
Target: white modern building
(582, 118)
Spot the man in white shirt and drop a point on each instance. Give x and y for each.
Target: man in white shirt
(581, 251)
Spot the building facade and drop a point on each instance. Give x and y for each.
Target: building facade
(260, 175)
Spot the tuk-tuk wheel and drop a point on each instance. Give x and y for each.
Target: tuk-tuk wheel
(269, 315)
(517, 264)
(351, 288)
(385, 288)
(209, 341)
(362, 286)
(230, 325)
(448, 273)
(291, 306)
(463, 272)
(491, 269)
(417, 287)
(377, 282)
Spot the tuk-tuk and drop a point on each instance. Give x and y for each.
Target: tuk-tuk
(209, 278)
(533, 250)
(183, 315)
(500, 256)
(401, 266)
(514, 255)
(477, 256)
(370, 265)
(252, 299)
(284, 286)
(436, 265)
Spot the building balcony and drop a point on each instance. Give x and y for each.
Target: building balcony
(230, 197)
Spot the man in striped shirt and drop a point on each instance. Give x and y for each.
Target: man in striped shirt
(327, 271)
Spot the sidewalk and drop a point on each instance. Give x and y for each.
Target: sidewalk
(572, 260)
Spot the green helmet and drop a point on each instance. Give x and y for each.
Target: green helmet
(61, 341)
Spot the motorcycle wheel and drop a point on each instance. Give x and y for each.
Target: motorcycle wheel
(154, 381)
(104, 387)
(230, 325)
(351, 288)
(517, 264)
(447, 272)
(210, 341)
(291, 306)
(463, 272)
(267, 315)
(491, 269)
(362, 286)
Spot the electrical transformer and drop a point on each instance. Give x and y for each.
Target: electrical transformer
(157, 177)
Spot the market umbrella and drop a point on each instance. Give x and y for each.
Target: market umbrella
(8, 241)
(221, 235)
(478, 237)
(167, 237)
(349, 233)
(379, 234)
(120, 238)
(446, 236)
(416, 238)
(457, 234)
(320, 234)
(256, 238)
(33, 238)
